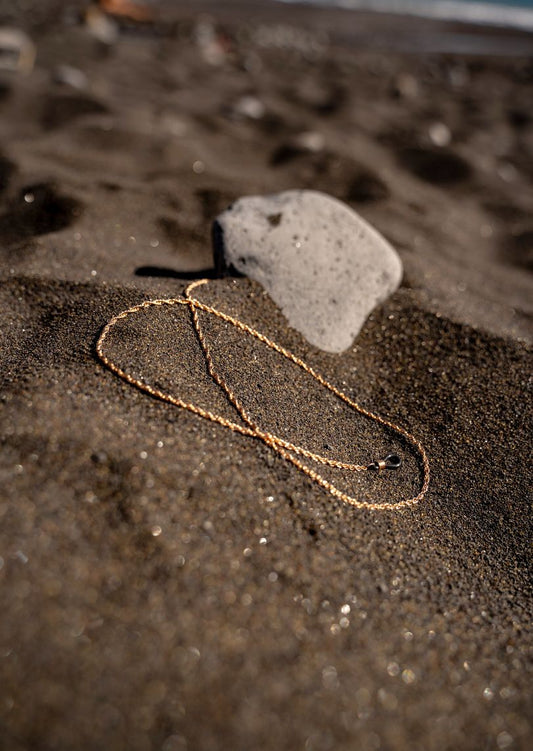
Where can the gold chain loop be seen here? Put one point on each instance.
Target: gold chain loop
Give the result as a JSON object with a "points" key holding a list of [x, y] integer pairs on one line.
{"points": [[286, 449]]}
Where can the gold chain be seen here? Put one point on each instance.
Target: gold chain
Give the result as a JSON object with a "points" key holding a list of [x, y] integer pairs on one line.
{"points": [[286, 449]]}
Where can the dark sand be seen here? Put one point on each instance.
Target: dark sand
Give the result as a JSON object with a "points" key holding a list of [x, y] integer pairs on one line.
{"points": [[265, 615]]}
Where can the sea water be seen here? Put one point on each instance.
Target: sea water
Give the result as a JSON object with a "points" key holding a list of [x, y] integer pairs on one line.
{"points": [[514, 13]]}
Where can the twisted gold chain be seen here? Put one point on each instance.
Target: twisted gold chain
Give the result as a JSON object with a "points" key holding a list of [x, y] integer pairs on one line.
{"points": [[289, 451]]}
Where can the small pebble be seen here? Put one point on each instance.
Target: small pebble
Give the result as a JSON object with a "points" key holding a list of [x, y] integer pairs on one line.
{"points": [[17, 51], [250, 107], [101, 26], [439, 134], [67, 75]]}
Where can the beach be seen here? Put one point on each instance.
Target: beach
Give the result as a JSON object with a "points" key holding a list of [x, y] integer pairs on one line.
{"points": [[167, 583]]}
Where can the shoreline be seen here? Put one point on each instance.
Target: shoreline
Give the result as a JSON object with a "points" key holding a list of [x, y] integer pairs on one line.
{"points": [[350, 28], [371, 30], [519, 17]]}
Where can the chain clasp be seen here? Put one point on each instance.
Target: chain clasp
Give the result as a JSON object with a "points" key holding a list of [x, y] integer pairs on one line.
{"points": [[392, 461]]}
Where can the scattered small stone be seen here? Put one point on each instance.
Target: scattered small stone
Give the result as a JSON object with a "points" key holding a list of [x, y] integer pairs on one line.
{"points": [[310, 140], [101, 26], [439, 134], [17, 51], [322, 263], [67, 75], [249, 107]]}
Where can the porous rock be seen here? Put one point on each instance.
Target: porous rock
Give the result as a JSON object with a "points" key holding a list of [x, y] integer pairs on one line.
{"points": [[324, 265]]}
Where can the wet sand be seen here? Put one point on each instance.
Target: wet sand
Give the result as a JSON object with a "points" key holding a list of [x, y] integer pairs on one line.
{"points": [[168, 584]]}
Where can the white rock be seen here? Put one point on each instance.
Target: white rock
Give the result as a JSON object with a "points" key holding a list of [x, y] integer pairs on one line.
{"points": [[324, 265]]}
